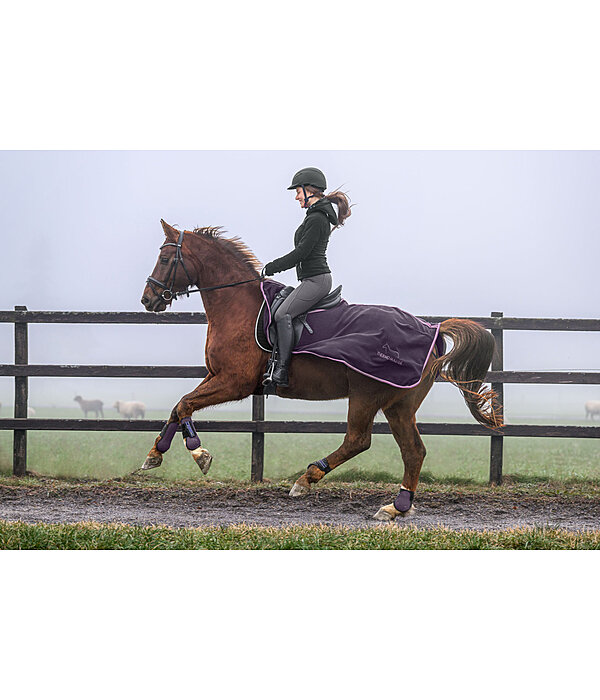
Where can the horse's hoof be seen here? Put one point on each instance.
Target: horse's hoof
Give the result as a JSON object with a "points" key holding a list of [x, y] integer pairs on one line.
{"points": [[387, 513], [299, 490], [203, 459], [152, 461]]}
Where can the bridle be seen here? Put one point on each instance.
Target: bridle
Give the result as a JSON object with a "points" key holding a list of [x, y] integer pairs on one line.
{"points": [[168, 293]]}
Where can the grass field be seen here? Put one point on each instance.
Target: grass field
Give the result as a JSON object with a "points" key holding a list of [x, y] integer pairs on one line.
{"points": [[449, 458], [125, 537]]}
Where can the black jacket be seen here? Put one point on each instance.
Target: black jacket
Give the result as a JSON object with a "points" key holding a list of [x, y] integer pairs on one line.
{"points": [[310, 241]]}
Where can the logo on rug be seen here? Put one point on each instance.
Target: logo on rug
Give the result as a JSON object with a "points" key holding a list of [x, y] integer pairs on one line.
{"points": [[389, 354]]}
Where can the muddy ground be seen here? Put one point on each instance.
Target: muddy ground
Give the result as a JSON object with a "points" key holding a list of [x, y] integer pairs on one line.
{"points": [[271, 506]]}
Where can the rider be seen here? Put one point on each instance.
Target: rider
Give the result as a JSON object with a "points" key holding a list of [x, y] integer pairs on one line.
{"points": [[310, 245]]}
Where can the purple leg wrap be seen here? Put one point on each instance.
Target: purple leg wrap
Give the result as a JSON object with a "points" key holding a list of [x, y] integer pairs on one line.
{"points": [[323, 465], [192, 441], [404, 500], [166, 436]]}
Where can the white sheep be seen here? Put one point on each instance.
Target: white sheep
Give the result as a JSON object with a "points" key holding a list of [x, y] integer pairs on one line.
{"points": [[592, 408], [131, 409]]}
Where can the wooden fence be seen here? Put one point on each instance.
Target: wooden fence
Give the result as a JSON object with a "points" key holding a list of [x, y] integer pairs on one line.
{"points": [[21, 370]]}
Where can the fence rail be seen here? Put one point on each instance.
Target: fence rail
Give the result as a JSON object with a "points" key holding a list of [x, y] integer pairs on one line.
{"points": [[21, 370], [186, 371]]}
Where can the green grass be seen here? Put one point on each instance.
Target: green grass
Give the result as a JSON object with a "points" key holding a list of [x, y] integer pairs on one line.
{"points": [[450, 459], [93, 536]]}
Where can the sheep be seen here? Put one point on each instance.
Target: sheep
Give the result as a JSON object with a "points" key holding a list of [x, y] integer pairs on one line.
{"points": [[94, 405], [592, 408], [131, 409], [30, 412]]}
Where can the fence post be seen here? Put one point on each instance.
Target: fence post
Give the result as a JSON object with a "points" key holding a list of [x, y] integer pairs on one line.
{"points": [[258, 439], [21, 396], [497, 441]]}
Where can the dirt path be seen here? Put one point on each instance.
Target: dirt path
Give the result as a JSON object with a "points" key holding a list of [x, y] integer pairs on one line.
{"points": [[189, 507]]}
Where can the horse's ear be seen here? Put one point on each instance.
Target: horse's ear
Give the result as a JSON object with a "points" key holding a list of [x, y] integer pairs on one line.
{"points": [[170, 232]]}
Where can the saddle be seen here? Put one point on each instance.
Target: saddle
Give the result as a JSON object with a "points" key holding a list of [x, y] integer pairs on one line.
{"points": [[299, 323]]}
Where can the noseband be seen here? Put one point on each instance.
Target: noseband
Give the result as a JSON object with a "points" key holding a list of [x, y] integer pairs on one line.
{"points": [[168, 294]]}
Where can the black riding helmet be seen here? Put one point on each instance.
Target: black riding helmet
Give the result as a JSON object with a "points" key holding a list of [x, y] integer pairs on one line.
{"points": [[309, 176]]}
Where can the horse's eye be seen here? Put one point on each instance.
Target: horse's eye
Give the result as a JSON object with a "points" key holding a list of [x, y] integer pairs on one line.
{"points": [[164, 261]]}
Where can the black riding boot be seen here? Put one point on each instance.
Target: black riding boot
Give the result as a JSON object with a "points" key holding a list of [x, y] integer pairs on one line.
{"points": [[285, 343]]}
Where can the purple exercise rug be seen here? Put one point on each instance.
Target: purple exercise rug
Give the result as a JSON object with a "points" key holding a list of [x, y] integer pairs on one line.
{"points": [[381, 342]]}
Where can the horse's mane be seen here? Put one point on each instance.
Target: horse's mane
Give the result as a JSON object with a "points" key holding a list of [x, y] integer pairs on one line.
{"points": [[234, 245]]}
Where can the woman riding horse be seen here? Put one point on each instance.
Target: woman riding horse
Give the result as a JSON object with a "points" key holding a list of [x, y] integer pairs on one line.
{"points": [[310, 246], [225, 273]]}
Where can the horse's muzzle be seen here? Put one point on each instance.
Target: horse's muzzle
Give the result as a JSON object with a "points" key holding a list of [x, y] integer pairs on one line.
{"points": [[155, 304]]}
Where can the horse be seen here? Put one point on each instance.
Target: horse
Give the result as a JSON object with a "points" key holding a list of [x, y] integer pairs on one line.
{"points": [[226, 273]]}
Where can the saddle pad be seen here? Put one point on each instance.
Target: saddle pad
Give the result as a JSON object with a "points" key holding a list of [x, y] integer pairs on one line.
{"points": [[381, 342]]}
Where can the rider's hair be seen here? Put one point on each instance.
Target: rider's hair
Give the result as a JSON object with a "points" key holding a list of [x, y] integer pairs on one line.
{"points": [[339, 198]]}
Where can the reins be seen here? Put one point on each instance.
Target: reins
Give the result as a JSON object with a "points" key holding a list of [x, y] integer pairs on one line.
{"points": [[168, 294], [218, 286]]}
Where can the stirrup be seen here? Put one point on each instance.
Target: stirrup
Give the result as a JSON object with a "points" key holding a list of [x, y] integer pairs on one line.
{"points": [[268, 375], [269, 386]]}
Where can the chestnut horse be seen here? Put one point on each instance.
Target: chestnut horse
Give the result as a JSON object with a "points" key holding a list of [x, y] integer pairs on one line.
{"points": [[226, 274]]}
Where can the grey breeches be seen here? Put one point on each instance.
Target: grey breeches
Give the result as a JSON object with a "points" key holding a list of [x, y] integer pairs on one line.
{"points": [[306, 294]]}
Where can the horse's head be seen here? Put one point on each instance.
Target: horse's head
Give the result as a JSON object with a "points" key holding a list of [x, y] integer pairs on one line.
{"points": [[171, 275]]}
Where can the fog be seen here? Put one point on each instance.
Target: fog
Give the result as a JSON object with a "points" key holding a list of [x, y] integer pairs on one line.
{"points": [[449, 233]]}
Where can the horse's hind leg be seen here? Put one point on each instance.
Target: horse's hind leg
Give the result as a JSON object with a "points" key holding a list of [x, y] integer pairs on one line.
{"points": [[404, 429], [362, 409]]}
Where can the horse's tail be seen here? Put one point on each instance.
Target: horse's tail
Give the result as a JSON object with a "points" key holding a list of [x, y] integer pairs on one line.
{"points": [[466, 366]]}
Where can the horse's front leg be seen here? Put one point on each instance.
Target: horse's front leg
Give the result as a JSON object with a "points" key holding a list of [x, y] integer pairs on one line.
{"points": [[224, 387], [215, 389], [162, 443]]}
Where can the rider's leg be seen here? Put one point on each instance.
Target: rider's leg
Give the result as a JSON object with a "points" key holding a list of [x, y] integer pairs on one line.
{"points": [[285, 343], [308, 293]]}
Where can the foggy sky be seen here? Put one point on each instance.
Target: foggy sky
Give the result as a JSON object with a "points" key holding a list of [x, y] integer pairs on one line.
{"points": [[451, 233]]}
